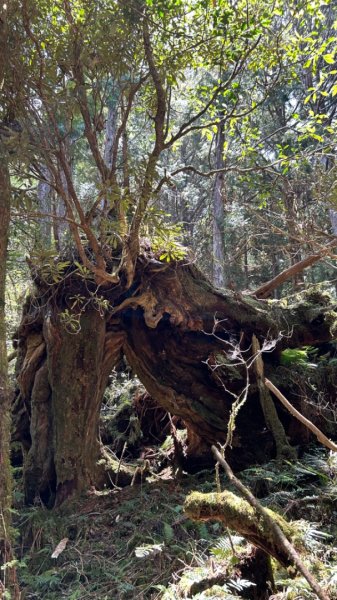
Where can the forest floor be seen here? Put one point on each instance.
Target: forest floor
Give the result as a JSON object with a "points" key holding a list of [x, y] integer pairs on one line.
{"points": [[137, 543]]}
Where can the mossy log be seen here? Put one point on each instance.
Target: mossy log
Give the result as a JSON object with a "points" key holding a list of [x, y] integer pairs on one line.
{"points": [[237, 514]]}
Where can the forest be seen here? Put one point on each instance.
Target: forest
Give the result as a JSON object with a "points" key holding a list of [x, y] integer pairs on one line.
{"points": [[168, 299]]}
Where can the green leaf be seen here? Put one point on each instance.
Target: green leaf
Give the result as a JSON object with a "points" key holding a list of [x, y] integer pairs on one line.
{"points": [[329, 58]]}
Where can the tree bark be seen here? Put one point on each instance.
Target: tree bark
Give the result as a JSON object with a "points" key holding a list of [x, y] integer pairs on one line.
{"points": [[219, 213], [294, 230], [283, 449], [61, 382], [44, 197], [8, 575], [179, 335], [110, 134], [8, 580]]}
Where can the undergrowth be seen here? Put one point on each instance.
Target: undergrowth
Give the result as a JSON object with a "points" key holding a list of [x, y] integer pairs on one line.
{"points": [[136, 543]]}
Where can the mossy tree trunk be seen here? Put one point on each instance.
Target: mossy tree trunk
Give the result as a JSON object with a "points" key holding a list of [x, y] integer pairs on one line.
{"points": [[178, 334]]}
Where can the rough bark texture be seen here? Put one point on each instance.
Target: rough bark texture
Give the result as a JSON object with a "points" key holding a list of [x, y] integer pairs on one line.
{"points": [[61, 383], [8, 582], [177, 333], [219, 213]]}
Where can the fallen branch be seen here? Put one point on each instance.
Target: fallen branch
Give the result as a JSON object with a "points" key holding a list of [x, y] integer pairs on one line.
{"points": [[318, 433], [267, 288], [283, 448], [275, 529]]}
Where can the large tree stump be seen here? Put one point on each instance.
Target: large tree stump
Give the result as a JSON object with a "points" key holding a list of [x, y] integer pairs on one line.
{"points": [[179, 335]]}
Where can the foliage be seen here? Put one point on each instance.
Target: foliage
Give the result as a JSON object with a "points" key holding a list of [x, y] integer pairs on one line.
{"points": [[166, 77], [263, 71], [135, 543]]}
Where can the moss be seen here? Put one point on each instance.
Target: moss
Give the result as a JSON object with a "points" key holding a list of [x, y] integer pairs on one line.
{"points": [[317, 296], [168, 444], [226, 505], [122, 426], [237, 514], [331, 320], [122, 474]]}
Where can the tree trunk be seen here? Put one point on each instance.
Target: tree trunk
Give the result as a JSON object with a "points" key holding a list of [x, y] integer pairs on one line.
{"points": [[110, 134], [180, 335], [8, 574], [294, 231], [77, 385], [219, 214], [5, 469], [8, 581], [333, 220], [62, 379], [44, 198]]}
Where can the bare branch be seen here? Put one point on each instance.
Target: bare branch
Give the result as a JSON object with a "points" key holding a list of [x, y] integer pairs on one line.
{"points": [[89, 129], [267, 288], [318, 433], [121, 129], [159, 118]]}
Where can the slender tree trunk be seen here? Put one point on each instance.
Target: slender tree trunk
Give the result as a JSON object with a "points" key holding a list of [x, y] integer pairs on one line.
{"points": [[7, 575], [110, 134], [8, 581], [291, 204], [44, 198], [275, 271], [219, 214], [333, 220]]}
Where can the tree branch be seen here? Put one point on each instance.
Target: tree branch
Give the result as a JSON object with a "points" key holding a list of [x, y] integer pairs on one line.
{"points": [[267, 288], [318, 433], [277, 533], [159, 121]]}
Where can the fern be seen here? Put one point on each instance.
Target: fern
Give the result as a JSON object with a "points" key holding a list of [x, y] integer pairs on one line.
{"points": [[240, 584], [148, 550], [203, 531], [168, 532], [224, 546]]}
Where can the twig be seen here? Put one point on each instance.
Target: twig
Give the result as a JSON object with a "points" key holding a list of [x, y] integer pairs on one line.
{"points": [[120, 463]]}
